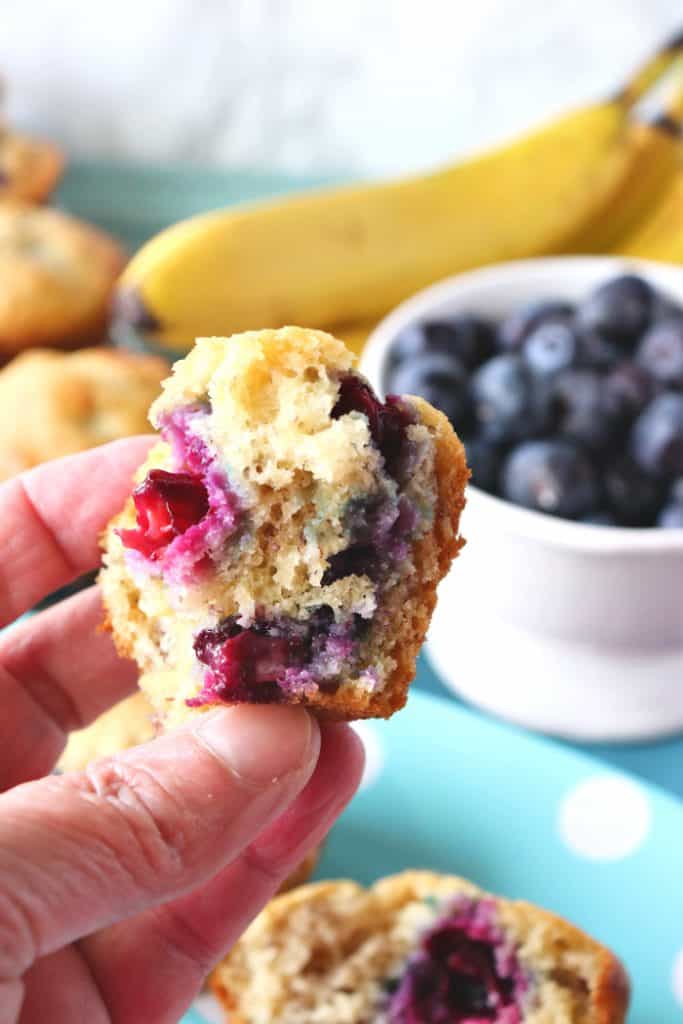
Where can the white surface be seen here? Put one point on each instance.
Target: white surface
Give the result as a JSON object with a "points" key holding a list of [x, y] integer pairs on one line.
{"points": [[605, 818], [570, 629], [677, 977], [209, 1008], [312, 85], [374, 754]]}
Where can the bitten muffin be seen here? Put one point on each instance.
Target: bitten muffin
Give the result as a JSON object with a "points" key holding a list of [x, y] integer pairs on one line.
{"points": [[29, 168], [416, 948], [55, 403], [287, 534], [56, 278]]}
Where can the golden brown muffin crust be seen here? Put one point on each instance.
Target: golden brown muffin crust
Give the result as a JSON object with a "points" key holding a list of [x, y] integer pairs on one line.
{"points": [[56, 403], [57, 276], [29, 168]]}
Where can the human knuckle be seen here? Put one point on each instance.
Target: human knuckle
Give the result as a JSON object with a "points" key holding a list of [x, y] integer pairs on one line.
{"points": [[19, 940], [152, 831]]}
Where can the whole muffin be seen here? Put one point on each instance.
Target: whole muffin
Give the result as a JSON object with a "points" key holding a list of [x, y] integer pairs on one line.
{"points": [[29, 168], [55, 403], [416, 948], [56, 278], [287, 534]]}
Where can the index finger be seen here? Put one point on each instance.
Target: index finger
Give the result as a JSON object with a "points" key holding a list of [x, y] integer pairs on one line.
{"points": [[51, 518]]}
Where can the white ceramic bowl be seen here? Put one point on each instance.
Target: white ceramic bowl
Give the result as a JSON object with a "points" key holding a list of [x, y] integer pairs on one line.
{"points": [[571, 629]]}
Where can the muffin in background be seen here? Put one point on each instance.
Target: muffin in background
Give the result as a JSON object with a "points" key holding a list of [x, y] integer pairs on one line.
{"points": [[416, 948], [125, 725], [29, 168], [57, 275], [56, 403]]}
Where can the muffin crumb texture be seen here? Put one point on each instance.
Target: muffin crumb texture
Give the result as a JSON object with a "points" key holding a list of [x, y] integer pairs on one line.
{"points": [[416, 948], [287, 533]]}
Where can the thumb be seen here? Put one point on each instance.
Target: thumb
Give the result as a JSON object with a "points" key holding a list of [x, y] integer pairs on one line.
{"points": [[78, 852]]}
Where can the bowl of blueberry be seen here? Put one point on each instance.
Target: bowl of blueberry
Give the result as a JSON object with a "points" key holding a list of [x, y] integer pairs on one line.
{"points": [[564, 378]]}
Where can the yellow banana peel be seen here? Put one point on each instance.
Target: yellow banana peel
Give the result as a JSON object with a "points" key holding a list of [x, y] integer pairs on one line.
{"points": [[347, 256], [661, 236]]}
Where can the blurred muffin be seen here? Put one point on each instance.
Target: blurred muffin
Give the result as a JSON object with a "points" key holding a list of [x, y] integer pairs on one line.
{"points": [[56, 278], [56, 403], [29, 168], [416, 948], [125, 725]]}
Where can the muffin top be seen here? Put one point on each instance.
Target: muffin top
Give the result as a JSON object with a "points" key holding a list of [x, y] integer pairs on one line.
{"points": [[57, 276], [55, 403], [29, 168]]}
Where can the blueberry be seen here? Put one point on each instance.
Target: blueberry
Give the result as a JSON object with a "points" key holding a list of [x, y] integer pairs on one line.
{"points": [[633, 496], [657, 436], [439, 378], [470, 338], [506, 403], [484, 460], [599, 519], [516, 328], [671, 516], [555, 477], [628, 389], [676, 490], [580, 409], [552, 346], [620, 309], [597, 352], [661, 352]]}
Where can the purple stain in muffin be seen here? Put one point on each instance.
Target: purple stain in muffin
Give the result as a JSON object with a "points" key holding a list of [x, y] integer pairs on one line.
{"points": [[380, 530], [464, 972], [388, 421], [268, 660], [184, 518]]}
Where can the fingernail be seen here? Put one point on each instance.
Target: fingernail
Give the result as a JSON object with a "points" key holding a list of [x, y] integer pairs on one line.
{"points": [[261, 743]]}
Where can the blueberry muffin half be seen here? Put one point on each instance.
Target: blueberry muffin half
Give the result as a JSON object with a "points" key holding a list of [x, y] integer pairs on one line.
{"points": [[55, 403], [29, 168], [416, 948], [57, 277], [287, 534]]}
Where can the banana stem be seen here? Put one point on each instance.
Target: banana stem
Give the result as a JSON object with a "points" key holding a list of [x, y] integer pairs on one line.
{"points": [[648, 73]]}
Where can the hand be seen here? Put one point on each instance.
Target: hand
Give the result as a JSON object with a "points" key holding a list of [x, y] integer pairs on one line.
{"points": [[121, 887]]}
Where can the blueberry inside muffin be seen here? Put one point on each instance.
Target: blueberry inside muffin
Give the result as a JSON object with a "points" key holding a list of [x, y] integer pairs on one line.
{"points": [[416, 948], [286, 536]]}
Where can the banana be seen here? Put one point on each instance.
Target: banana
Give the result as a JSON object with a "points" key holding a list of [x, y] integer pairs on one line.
{"points": [[354, 336], [348, 255], [661, 236]]}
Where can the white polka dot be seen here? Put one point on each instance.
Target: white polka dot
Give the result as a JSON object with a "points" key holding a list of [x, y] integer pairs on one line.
{"points": [[677, 978], [374, 755], [209, 1010], [605, 817]]}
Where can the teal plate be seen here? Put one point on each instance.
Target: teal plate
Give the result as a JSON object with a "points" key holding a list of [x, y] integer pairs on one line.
{"points": [[449, 790]]}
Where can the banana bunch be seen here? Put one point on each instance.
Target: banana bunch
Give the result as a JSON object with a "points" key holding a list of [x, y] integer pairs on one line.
{"points": [[605, 177]]}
